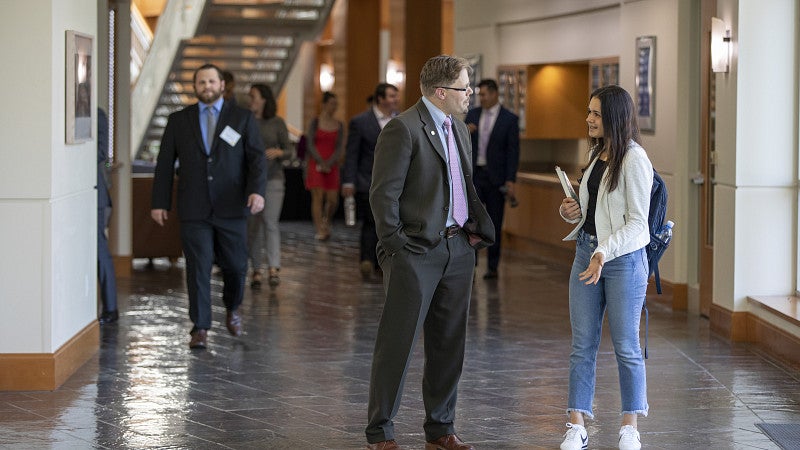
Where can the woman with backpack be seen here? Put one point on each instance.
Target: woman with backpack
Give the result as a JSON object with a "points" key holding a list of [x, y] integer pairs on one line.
{"points": [[610, 270]]}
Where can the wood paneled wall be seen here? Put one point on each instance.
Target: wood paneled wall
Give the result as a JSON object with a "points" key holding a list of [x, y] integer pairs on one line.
{"points": [[363, 54], [423, 40]]}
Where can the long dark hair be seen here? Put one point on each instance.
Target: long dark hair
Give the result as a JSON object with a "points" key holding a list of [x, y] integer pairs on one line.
{"points": [[270, 106], [327, 95], [619, 128]]}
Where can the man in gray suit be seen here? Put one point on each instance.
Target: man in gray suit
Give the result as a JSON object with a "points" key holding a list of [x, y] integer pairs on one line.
{"points": [[429, 221]]}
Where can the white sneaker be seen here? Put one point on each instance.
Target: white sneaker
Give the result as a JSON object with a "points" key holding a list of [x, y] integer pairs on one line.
{"points": [[629, 438], [575, 438]]}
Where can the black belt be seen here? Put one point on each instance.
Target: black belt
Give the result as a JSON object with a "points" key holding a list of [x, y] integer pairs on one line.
{"points": [[451, 231]]}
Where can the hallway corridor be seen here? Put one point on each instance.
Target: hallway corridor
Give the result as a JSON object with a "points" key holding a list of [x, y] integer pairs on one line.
{"points": [[298, 377]]}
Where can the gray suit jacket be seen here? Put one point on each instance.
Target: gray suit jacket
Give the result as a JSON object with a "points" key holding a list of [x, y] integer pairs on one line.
{"points": [[410, 190]]}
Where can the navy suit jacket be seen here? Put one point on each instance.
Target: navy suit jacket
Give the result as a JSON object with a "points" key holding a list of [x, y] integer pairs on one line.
{"points": [[502, 151], [362, 136], [103, 197], [218, 183]]}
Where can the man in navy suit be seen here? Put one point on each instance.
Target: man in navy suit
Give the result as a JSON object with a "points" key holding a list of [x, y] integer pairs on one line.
{"points": [[357, 174], [495, 142], [221, 177]]}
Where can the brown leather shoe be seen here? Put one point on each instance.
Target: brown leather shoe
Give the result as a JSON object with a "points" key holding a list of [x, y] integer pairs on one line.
{"points": [[448, 442], [274, 278], [199, 337], [234, 323], [384, 445], [255, 280]]}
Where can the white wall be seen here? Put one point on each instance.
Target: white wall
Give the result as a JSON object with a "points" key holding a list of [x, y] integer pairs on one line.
{"points": [[295, 85], [47, 196], [671, 145], [757, 154], [531, 32]]}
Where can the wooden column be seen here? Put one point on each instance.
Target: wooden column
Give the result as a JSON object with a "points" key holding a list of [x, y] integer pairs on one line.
{"points": [[121, 228], [363, 54], [423, 40]]}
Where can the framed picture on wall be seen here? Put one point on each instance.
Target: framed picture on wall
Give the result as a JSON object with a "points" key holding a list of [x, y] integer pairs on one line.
{"points": [[79, 112], [645, 82]]}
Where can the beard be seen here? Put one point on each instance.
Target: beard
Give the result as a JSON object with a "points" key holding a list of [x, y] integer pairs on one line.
{"points": [[209, 96]]}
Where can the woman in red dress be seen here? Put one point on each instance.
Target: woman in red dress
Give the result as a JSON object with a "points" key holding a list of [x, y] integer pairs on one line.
{"points": [[325, 148]]}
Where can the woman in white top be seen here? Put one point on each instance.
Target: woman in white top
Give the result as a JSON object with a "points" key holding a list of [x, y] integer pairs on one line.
{"points": [[609, 274]]}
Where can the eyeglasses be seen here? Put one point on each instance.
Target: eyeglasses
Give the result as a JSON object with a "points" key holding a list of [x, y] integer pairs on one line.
{"points": [[454, 88]]}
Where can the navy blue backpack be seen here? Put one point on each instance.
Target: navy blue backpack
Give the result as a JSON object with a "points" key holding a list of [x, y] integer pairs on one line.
{"points": [[655, 220], [655, 249]]}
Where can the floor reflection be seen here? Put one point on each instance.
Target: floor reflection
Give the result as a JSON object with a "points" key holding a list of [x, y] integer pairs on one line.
{"points": [[298, 377]]}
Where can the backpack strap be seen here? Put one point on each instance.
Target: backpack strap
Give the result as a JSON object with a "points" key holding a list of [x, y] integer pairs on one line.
{"points": [[657, 278], [653, 270], [646, 323]]}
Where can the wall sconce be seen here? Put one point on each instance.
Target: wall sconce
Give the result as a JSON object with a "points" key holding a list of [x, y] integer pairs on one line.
{"points": [[394, 73], [326, 78], [720, 46]]}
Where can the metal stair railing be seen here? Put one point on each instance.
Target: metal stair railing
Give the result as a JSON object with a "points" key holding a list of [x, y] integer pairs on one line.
{"points": [[257, 40], [178, 22]]}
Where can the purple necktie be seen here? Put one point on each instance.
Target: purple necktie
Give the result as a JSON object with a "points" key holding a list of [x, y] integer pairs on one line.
{"points": [[459, 199], [211, 127]]}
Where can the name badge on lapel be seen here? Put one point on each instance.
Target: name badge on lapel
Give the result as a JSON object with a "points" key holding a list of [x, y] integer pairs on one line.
{"points": [[230, 136]]}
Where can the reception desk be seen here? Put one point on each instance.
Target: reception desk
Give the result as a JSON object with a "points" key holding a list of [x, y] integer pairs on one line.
{"points": [[149, 239], [153, 241], [535, 226]]}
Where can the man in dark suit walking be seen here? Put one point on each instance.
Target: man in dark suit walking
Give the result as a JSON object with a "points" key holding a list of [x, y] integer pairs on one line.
{"points": [[495, 156], [357, 175], [105, 262], [221, 177], [429, 221]]}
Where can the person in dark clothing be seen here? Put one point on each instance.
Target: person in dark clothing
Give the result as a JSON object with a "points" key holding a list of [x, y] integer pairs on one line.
{"points": [[105, 264]]}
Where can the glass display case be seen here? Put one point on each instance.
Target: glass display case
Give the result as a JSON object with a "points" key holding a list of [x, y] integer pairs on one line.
{"points": [[603, 72], [512, 82]]}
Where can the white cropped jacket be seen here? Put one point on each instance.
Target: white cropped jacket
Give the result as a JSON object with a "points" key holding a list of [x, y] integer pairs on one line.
{"points": [[620, 216]]}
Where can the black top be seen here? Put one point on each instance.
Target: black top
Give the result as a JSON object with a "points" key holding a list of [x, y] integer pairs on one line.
{"points": [[593, 185]]}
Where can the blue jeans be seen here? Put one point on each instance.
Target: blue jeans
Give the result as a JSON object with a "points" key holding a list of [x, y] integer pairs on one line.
{"points": [[621, 292]]}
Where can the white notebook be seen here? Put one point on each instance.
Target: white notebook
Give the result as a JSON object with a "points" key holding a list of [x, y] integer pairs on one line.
{"points": [[566, 184]]}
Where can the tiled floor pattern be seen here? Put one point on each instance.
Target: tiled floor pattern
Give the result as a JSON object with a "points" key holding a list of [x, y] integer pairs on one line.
{"points": [[298, 378]]}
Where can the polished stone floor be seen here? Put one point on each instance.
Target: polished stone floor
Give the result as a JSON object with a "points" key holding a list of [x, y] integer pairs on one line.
{"points": [[298, 377]]}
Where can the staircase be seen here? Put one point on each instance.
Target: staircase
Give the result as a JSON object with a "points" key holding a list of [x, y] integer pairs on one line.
{"points": [[257, 40]]}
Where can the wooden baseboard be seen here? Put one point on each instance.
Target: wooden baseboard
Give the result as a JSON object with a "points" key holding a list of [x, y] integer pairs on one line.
{"points": [[731, 325], [48, 371], [772, 340], [123, 265], [675, 295], [747, 327]]}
